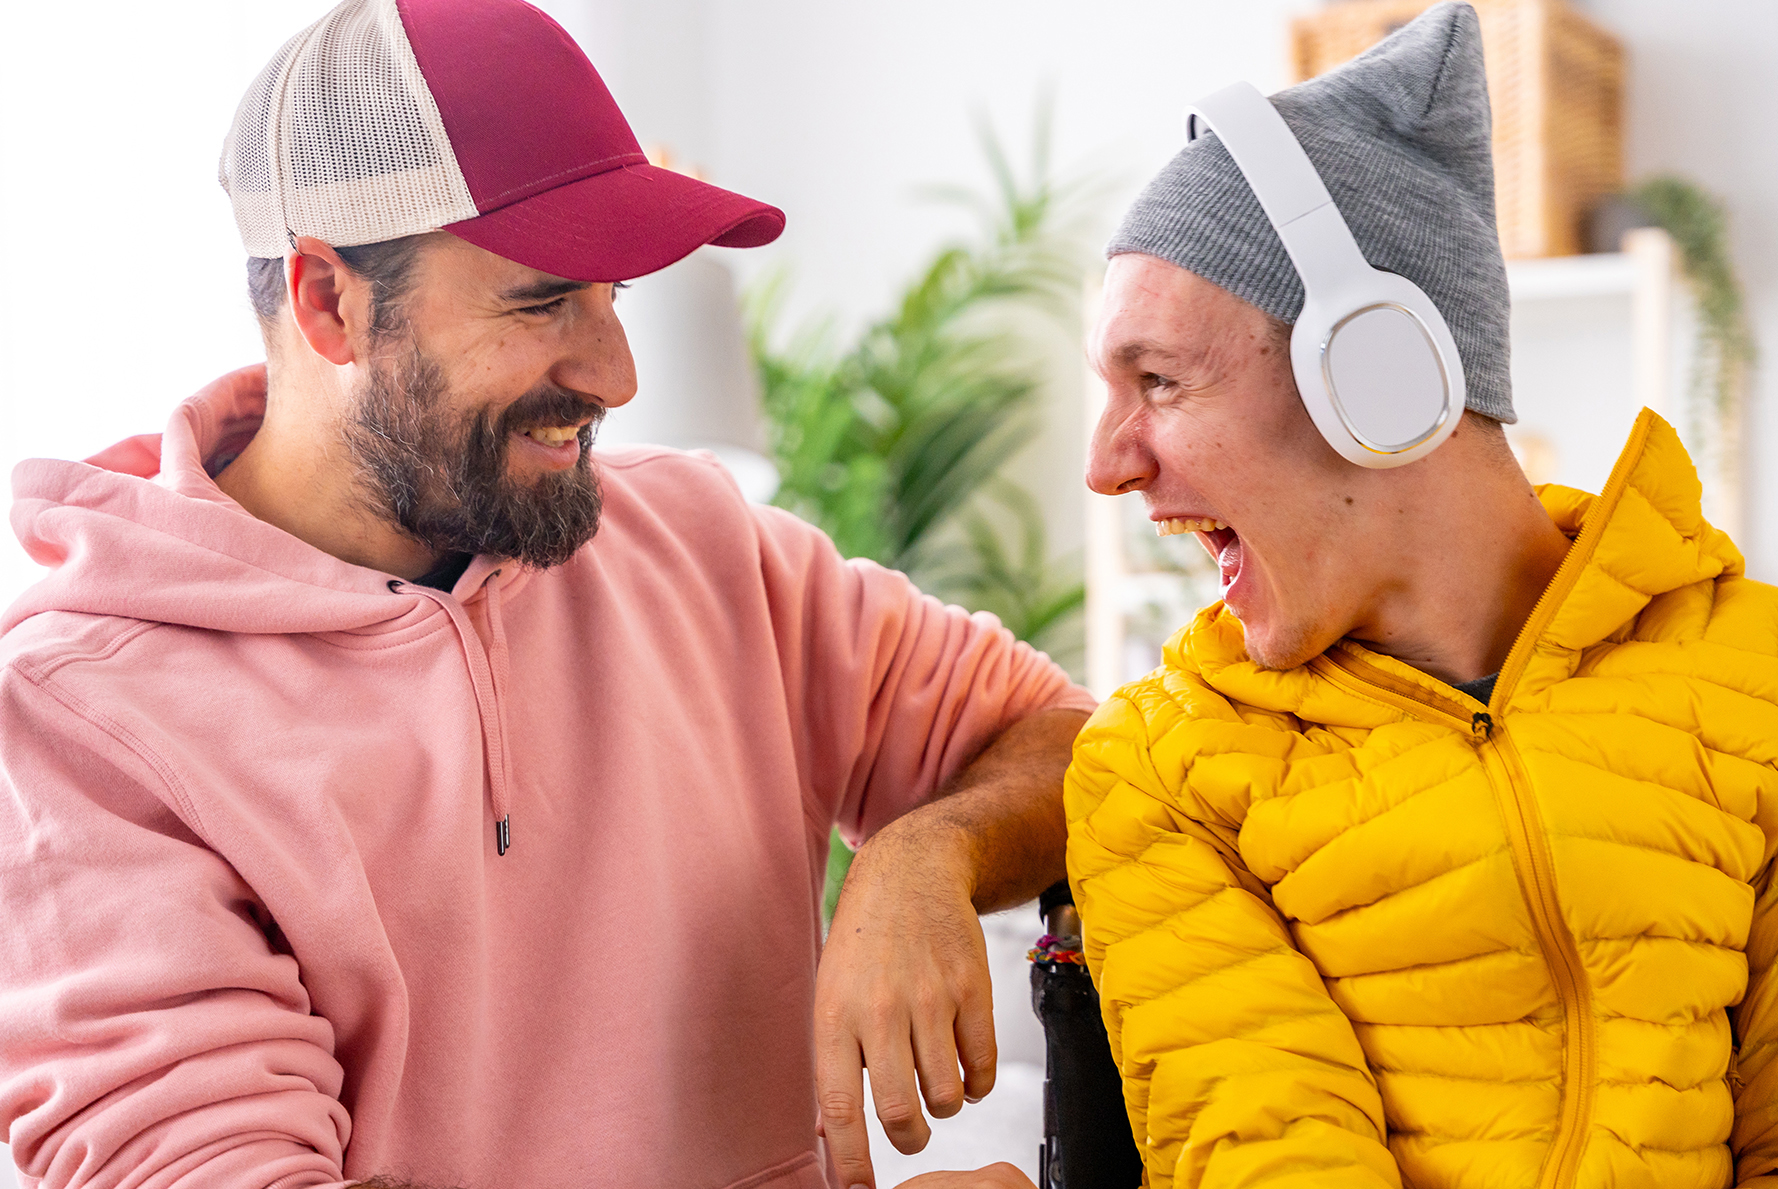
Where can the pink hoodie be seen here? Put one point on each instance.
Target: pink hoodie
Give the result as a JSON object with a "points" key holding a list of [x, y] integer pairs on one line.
{"points": [[256, 931]]}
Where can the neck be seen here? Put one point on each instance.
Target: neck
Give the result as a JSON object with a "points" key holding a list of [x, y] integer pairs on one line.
{"points": [[298, 475], [1466, 575]]}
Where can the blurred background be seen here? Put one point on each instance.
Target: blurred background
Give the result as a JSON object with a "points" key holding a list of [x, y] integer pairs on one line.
{"points": [[904, 366]]}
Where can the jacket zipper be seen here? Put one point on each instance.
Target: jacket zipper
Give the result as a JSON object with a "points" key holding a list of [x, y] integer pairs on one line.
{"points": [[1531, 855], [1531, 859], [1505, 770]]}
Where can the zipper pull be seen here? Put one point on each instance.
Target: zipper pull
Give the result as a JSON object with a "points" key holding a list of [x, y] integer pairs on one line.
{"points": [[503, 834], [1482, 725]]}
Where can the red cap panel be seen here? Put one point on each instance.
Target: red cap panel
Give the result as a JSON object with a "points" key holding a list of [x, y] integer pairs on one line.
{"points": [[524, 109]]}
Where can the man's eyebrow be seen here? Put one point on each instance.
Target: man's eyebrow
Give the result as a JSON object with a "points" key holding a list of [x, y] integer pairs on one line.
{"points": [[1139, 350], [542, 291]]}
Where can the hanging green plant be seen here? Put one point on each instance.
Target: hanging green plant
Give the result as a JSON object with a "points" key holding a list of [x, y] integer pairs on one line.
{"points": [[1699, 226]]}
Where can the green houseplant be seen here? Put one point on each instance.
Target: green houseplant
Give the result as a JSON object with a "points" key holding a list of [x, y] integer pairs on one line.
{"points": [[1699, 227], [895, 443]]}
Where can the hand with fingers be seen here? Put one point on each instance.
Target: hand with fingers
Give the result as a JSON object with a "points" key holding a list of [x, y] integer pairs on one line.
{"points": [[995, 1176], [903, 990]]}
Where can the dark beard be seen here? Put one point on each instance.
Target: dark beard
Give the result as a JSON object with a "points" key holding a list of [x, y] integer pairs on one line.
{"points": [[445, 482]]}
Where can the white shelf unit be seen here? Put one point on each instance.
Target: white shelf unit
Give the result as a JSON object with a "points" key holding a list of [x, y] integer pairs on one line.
{"points": [[1595, 338]]}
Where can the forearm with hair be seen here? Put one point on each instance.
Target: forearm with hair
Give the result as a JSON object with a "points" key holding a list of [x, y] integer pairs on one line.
{"points": [[1003, 812]]}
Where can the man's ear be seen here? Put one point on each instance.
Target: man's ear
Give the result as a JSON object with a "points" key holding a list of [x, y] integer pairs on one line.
{"points": [[328, 302]]}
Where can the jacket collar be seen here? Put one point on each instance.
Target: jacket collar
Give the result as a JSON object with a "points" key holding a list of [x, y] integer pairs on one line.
{"points": [[1643, 536]]}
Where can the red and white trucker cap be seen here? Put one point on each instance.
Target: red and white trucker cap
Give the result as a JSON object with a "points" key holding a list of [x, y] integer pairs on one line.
{"points": [[478, 117]]}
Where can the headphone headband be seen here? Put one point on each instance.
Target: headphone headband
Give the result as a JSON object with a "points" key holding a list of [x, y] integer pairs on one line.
{"points": [[1284, 180]]}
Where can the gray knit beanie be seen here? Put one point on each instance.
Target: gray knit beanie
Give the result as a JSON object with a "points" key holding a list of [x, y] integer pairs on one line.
{"points": [[1401, 136]]}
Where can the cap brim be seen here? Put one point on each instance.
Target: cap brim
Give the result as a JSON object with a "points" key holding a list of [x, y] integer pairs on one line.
{"points": [[622, 223]]}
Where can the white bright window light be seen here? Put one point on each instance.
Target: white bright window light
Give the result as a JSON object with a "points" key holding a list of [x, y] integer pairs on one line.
{"points": [[101, 334]]}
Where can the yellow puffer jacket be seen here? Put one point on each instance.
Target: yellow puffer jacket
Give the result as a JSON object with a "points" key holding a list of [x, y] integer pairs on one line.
{"points": [[1352, 927]]}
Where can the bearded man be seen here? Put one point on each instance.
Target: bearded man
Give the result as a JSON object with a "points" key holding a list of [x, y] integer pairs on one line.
{"points": [[396, 793], [1440, 851]]}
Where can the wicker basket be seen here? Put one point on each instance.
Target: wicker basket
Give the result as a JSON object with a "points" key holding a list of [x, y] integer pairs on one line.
{"points": [[1556, 84]]}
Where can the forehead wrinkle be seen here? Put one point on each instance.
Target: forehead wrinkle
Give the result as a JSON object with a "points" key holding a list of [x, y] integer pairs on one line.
{"points": [[1137, 350], [1150, 354]]}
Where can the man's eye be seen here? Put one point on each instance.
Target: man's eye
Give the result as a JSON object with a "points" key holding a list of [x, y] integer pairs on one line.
{"points": [[1150, 382], [548, 307]]}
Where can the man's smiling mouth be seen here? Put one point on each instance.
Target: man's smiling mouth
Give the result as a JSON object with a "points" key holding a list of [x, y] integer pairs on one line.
{"points": [[553, 435]]}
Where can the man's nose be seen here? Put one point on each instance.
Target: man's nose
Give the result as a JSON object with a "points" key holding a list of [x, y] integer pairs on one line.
{"points": [[597, 359], [1119, 459]]}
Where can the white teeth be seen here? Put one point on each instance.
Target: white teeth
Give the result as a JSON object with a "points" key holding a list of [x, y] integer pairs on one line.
{"points": [[1186, 524], [553, 435]]}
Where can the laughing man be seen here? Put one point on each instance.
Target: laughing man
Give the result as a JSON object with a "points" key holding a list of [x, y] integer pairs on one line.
{"points": [[1440, 850]]}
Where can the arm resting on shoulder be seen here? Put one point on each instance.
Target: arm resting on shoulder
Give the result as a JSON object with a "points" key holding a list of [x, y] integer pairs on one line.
{"points": [[898, 697], [999, 824]]}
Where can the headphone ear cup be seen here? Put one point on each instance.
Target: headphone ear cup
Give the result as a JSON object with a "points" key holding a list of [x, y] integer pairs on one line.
{"points": [[1385, 377], [1382, 384]]}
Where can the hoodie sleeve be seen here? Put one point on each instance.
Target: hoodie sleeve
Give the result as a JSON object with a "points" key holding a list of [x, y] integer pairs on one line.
{"points": [[895, 690], [1238, 1068], [152, 1033]]}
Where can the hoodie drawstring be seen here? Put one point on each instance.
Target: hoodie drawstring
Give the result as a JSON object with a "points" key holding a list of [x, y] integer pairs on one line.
{"points": [[498, 674], [488, 704]]}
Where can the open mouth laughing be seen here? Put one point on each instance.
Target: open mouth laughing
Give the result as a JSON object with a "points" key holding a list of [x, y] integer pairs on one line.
{"points": [[1219, 540]]}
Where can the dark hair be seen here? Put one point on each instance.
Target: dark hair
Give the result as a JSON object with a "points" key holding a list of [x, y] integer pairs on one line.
{"points": [[388, 267]]}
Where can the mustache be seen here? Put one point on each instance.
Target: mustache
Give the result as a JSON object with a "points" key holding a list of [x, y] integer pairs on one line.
{"points": [[549, 406]]}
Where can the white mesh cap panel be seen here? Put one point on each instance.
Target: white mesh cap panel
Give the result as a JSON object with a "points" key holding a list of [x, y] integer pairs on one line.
{"points": [[339, 138]]}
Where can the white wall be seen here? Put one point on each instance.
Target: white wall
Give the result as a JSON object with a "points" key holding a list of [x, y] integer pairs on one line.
{"points": [[840, 113], [124, 288]]}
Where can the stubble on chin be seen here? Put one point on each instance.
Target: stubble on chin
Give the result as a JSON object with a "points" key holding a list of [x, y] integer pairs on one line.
{"points": [[1289, 646]]}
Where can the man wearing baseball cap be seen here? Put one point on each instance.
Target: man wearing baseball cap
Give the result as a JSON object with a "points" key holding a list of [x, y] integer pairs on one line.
{"points": [[391, 791]]}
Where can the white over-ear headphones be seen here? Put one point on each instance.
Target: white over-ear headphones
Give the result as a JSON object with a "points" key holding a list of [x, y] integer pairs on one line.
{"points": [[1375, 364]]}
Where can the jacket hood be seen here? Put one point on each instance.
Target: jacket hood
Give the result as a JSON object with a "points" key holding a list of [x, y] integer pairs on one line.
{"points": [[142, 531], [1643, 536]]}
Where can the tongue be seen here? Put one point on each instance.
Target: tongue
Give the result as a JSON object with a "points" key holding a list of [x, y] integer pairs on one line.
{"points": [[1229, 560]]}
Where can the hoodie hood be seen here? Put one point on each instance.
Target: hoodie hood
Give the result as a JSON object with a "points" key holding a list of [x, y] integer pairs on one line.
{"points": [[142, 534], [141, 530]]}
